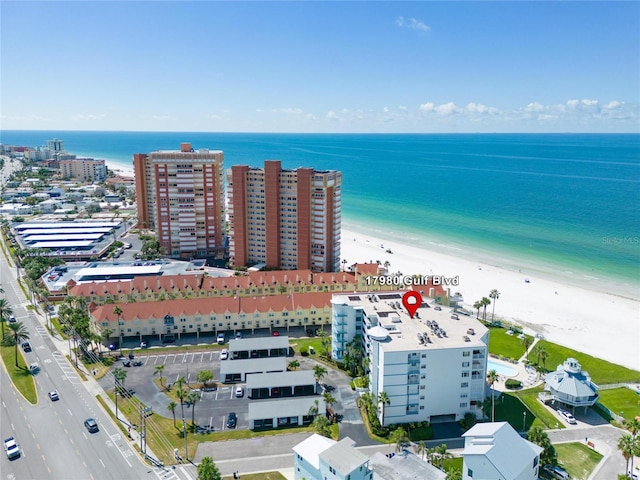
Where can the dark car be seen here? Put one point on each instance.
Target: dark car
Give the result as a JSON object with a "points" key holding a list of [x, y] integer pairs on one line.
{"points": [[232, 420], [91, 425], [26, 346], [126, 363], [137, 363], [131, 356]]}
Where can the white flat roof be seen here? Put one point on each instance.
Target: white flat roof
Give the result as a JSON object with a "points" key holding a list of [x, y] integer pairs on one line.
{"points": [[69, 236], [60, 231], [279, 379], [124, 270], [26, 225], [61, 244], [289, 407]]}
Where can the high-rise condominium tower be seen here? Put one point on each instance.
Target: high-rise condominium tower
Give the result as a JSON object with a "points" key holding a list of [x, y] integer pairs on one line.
{"points": [[286, 219], [180, 195]]}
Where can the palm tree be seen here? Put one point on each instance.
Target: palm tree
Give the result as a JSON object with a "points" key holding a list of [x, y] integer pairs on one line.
{"points": [[627, 446], [442, 455], [322, 426], [117, 311], [18, 333], [477, 305], [5, 312], [526, 342], [485, 302], [182, 393], [421, 448], [294, 365], [159, 369], [492, 376], [400, 437], [538, 436], [319, 371], [543, 357], [383, 399], [494, 294], [193, 397], [119, 377], [172, 408]]}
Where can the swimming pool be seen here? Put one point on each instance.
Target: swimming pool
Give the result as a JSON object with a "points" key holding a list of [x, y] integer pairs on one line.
{"points": [[502, 369]]}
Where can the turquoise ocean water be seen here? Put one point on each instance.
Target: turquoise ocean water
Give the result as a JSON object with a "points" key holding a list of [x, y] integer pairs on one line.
{"points": [[561, 204]]}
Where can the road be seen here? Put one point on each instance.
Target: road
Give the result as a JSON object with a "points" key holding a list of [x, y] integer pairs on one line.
{"points": [[53, 440]]}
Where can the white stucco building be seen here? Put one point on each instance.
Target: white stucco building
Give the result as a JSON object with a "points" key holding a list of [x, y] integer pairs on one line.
{"points": [[495, 451], [432, 367], [319, 458]]}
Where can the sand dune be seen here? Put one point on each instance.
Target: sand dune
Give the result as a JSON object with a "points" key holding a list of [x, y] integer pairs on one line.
{"points": [[601, 324]]}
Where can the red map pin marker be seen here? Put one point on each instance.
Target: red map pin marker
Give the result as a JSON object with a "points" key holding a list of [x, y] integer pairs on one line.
{"points": [[412, 301]]}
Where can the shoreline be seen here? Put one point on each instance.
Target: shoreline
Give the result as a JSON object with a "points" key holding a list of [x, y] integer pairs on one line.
{"points": [[119, 169], [600, 323]]}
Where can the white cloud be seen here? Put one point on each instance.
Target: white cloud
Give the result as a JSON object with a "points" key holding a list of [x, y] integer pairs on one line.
{"points": [[161, 117], [589, 103], [90, 116], [259, 110], [544, 117], [288, 111], [385, 109], [412, 23], [446, 108], [534, 107], [612, 105], [402, 107], [427, 107]]}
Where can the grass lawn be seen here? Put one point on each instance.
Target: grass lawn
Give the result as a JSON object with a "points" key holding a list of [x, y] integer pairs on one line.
{"points": [[20, 375], [530, 398], [601, 371], [504, 345], [622, 401], [577, 459], [163, 436], [510, 409], [453, 464], [259, 476]]}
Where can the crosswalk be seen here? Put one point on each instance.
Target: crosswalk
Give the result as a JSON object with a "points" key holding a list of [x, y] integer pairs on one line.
{"points": [[68, 371]]}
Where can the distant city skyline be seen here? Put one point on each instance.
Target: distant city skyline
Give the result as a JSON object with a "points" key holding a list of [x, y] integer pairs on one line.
{"points": [[327, 67]]}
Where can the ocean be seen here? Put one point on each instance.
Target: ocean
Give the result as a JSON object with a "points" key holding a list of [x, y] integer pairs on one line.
{"points": [[565, 205]]}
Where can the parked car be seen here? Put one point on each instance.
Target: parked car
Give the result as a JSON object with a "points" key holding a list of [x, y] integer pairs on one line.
{"points": [[91, 425], [11, 447], [220, 338], [232, 420], [53, 395], [557, 472], [126, 363], [137, 363], [239, 392], [12, 319], [238, 335], [567, 416], [26, 346], [224, 354], [276, 333], [438, 308]]}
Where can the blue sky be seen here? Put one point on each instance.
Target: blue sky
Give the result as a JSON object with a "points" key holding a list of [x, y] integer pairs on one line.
{"points": [[321, 66]]}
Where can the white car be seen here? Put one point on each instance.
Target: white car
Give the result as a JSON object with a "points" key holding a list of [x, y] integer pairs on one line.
{"points": [[11, 447], [220, 338], [239, 392], [224, 354], [567, 417], [53, 395]]}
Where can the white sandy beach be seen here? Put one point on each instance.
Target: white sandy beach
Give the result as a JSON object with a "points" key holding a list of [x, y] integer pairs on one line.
{"points": [[600, 324], [119, 169]]}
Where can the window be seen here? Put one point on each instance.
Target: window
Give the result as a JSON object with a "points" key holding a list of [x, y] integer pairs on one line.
{"points": [[465, 374], [463, 405], [464, 384], [466, 354], [465, 364], [469, 473]]}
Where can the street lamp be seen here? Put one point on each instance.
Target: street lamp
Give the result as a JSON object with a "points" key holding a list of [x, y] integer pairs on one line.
{"points": [[524, 421], [185, 361]]}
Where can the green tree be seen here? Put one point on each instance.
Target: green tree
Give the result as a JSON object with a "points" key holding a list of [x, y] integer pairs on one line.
{"points": [[328, 398], [628, 448], [205, 377], [322, 426], [401, 438], [17, 333], [172, 408], [182, 393], [492, 376], [526, 342], [477, 305], [485, 303], [207, 470], [193, 398], [119, 377], [158, 371], [421, 448], [383, 400], [5, 312], [294, 364], [442, 455], [318, 372], [494, 295], [538, 436], [117, 311]]}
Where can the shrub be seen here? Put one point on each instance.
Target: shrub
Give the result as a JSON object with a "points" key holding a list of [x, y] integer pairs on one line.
{"points": [[512, 383]]}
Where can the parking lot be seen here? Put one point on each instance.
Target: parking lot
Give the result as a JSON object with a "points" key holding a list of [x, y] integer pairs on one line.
{"points": [[216, 403]]}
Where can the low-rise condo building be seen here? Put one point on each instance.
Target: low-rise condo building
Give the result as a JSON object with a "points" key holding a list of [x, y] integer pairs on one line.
{"points": [[570, 385], [432, 367]]}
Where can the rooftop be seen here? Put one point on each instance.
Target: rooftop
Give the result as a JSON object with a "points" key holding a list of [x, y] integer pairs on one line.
{"points": [[437, 328]]}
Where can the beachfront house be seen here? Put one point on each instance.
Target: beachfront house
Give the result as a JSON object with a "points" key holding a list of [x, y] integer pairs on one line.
{"points": [[569, 385], [495, 450]]}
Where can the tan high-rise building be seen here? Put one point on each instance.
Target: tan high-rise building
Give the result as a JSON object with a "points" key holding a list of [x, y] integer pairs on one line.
{"points": [[180, 195], [285, 219]]}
